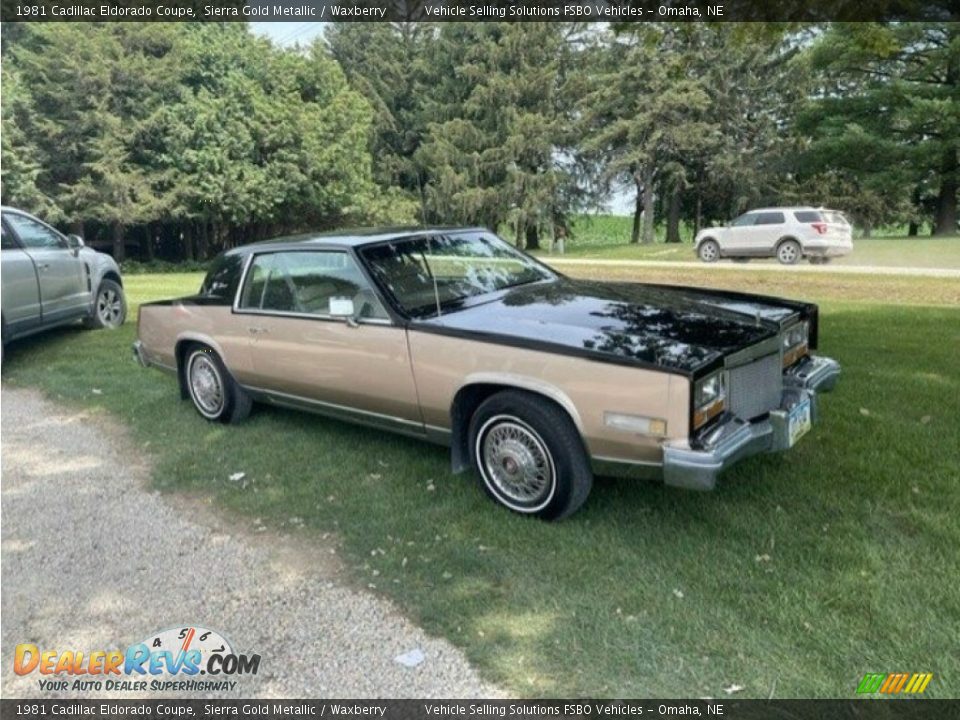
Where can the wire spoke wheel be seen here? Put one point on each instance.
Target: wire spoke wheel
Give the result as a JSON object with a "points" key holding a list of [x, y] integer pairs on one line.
{"points": [[206, 385], [517, 462]]}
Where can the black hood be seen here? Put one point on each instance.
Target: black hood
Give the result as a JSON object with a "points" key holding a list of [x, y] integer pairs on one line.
{"points": [[677, 329]]}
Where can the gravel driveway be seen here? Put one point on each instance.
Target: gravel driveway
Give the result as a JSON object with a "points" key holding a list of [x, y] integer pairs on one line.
{"points": [[92, 560]]}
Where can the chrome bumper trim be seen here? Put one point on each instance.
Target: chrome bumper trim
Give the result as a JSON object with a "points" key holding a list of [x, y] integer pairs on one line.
{"points": [[626, 469], [138, 354], [698, 468], [816, 373]]}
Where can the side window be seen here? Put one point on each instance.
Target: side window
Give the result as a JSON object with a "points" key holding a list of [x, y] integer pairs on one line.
{"points": [[307, 282], [772, 218], [8, 242], [268, 286], [34, 234], [807, 216], [744, 220]]}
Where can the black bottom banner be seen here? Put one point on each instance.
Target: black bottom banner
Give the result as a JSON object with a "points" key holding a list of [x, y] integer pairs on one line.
{"points": [[485, 709]]}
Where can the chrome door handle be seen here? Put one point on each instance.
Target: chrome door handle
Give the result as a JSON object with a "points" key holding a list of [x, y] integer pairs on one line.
{"points": [[258, 330], [43, 266]]}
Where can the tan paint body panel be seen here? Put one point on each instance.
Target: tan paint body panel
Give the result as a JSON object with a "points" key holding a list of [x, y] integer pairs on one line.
{"points": [[365, 367], [585, 388], [161, 327], [414, 376]]}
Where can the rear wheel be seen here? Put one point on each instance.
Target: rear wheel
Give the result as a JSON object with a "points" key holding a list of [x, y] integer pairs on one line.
{"points": [[709, 251], [109, 307], [215, 394], [529, 456], [789, 252]]}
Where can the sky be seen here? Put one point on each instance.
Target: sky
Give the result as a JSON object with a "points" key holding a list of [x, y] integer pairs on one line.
{"points": [[292, 33], [288, 33]]}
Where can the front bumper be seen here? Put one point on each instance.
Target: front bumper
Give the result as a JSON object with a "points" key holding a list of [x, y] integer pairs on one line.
{"points": [[697, 467], [816, 373]]}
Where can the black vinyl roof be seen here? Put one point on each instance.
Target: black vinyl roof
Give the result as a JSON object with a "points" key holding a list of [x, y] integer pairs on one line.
{"points": [[349, 238]]}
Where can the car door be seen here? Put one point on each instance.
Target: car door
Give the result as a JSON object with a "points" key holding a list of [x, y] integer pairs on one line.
{"points": [[63, 276], [767, 230], [738, 238], [21, 290], [302, 353]]}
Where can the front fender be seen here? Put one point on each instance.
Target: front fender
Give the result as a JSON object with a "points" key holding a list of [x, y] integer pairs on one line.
{"points": [[530, 384], [101, 265], [459, 453]]}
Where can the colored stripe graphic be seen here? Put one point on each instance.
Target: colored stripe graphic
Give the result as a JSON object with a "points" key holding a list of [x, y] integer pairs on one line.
{"points": [[926, 681], [894, 683], [871, 683]]}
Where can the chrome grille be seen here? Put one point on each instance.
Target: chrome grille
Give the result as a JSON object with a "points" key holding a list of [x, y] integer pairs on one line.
{"points": [[755, 387]]}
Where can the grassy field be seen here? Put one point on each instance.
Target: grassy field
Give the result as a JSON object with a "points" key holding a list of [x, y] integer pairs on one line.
{"points": [[819, 287], [798, 575], [608, 236]]}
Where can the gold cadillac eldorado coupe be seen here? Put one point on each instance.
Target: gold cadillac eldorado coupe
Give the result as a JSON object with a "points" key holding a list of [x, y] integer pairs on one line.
{"points": [[534, 379]]}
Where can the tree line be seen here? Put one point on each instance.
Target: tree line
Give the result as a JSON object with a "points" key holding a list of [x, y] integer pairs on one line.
{"points": [[183, 139]]}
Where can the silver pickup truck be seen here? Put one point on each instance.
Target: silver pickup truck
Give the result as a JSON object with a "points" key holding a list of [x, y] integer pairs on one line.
{"points": [[49, 279]]}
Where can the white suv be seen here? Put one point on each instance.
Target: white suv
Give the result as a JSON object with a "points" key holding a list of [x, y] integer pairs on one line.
{"points": [[787, 233]]}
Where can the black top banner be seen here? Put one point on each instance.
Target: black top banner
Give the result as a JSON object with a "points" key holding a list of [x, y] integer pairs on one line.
{"points": [[486, 709], [479, 10]]}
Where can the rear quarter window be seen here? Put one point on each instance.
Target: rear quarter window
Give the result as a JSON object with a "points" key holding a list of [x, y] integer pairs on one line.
{"points": [[808, 216], [224, 277]]}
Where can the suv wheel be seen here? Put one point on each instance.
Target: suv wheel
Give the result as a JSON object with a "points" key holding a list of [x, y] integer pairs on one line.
{"points": [[109, 307], [529, 456], [709, 251], [789, 252]]}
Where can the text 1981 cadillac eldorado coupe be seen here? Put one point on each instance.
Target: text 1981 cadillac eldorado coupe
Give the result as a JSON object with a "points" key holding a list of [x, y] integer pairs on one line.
{"points": [[534, 379]]}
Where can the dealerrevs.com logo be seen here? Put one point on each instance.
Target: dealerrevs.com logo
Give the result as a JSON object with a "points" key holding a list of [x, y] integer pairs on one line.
{"points": [[189, 659]]}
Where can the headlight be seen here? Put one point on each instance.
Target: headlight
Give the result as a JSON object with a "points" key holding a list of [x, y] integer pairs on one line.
{"points": [[709, 395], [796, 343]]}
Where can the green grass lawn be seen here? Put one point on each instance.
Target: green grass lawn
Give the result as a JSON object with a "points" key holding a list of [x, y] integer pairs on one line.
{"points": [[608, 237], [798, 575]]}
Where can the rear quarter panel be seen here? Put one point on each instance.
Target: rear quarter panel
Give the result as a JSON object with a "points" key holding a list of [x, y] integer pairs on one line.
{"points": [[163, 325]]}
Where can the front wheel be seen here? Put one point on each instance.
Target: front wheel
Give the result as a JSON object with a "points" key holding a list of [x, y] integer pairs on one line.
{"points": [[529, 456], [215, 395], [109, 307], [709, 251]]}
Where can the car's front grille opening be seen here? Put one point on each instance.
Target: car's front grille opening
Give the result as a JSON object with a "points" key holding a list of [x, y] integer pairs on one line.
{"points": [[755, 388]]}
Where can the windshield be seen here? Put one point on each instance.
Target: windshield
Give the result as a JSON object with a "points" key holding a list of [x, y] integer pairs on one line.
{"points": [[427, 275]]}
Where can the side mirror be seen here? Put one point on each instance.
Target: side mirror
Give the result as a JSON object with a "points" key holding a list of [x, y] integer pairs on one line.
{"points": [[342, 307], [75, 242]]}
